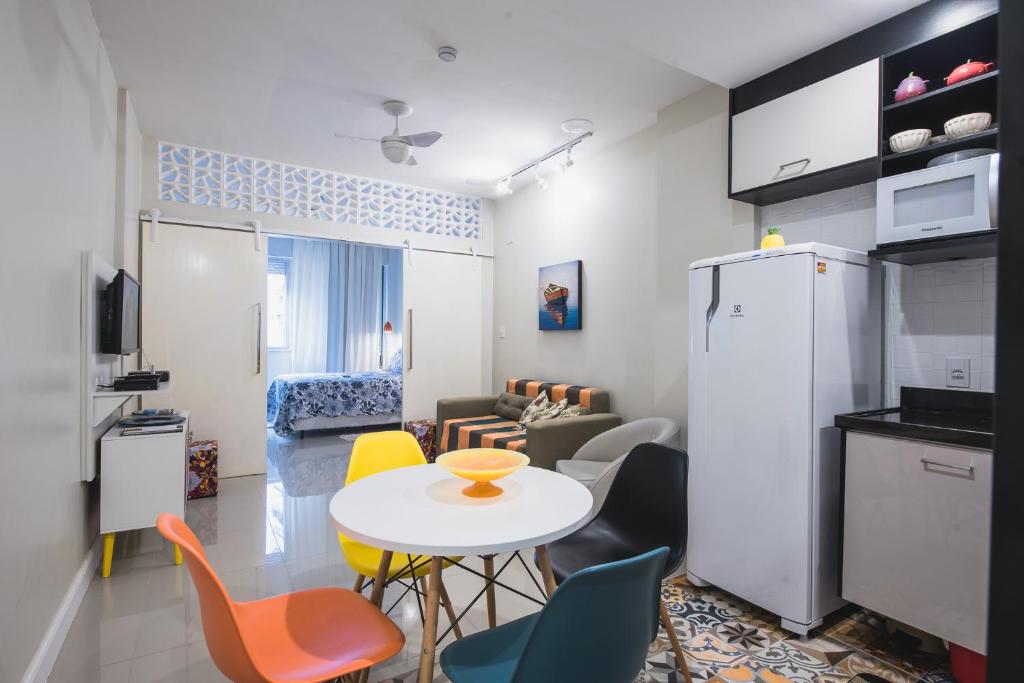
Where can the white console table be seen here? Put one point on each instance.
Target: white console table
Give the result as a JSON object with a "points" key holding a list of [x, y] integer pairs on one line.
{"points": [[141, 476]]}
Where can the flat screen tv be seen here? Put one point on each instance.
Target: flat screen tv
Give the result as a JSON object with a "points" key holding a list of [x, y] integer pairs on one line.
{"points": [[122, 309]]}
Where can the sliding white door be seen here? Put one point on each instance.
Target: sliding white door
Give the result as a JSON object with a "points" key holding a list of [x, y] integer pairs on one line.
{"points": [[204, 300], [443, 337]]}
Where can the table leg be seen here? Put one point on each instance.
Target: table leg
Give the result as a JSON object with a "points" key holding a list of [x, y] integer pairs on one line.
{"points": [[377, 595], [492, 618], [426, 674], [545, 570]]}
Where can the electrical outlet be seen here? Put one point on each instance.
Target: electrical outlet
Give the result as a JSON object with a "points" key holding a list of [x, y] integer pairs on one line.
{"points": [[958, 372]]}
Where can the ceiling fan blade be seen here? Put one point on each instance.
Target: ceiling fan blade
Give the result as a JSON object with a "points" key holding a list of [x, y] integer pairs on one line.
{"points": [[422, 139], [355, 137], [412, 161]]}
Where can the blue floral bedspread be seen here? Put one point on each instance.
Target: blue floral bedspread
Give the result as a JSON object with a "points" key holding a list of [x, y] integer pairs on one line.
{"points": [[293, 397]]}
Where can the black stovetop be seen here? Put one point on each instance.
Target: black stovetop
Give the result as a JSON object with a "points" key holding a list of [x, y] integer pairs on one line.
{"points": [[960, 418]]}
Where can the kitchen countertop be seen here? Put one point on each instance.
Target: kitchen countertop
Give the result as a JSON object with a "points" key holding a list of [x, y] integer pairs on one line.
{"points": [[958, 418]]}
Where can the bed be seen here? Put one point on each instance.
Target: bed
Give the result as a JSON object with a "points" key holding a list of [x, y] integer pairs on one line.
{"points": [[333, 400]]}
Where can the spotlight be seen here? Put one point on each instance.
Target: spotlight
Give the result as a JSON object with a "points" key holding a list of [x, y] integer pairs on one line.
{"points": [[568, 163], [542, 182], [504, 187]]}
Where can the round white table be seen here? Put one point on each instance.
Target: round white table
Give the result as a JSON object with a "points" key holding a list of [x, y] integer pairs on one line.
{"points": [[421, 511]]}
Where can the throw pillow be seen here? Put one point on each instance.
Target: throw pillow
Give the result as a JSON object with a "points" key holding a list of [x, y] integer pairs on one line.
{"points": [[547, 411], [574, 411], [531, 411]]}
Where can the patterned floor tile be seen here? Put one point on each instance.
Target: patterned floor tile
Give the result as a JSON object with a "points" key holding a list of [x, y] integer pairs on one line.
{"points": [[785, 659], [749, 674], [823, 648], [707, 652], [700, 614], [862, 664], [744, 636]]}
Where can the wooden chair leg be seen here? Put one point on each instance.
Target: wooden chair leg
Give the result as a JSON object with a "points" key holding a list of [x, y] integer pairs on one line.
{"points": [[666, 622], [492, 617], [450, 611], [360, 579]]}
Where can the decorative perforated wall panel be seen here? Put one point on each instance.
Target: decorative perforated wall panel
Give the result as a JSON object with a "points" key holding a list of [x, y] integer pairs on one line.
{"points": [[207, 178]]}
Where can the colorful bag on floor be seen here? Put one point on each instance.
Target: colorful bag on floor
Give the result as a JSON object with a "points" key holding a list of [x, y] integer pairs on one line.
{"points": [[202, 469], [424, 431]]}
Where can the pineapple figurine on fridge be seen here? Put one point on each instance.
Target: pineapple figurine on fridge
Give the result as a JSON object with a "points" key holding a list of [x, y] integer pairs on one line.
{"points": [[773, 239]]}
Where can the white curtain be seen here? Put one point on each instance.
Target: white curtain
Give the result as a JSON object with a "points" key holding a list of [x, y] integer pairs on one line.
{"points": [[336, 299], [363, 301], [308, 287]]}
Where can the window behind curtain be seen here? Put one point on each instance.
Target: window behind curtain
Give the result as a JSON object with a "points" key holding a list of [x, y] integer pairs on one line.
{"points": [[277, 302]]}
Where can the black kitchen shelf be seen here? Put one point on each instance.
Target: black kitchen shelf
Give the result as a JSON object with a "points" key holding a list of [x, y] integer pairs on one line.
{"points": [[939, 249], [945, 91], [933, 60], [916, 159]]}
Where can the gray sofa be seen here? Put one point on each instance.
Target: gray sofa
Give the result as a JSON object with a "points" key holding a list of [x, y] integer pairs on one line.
{"points": [[491, 419]]}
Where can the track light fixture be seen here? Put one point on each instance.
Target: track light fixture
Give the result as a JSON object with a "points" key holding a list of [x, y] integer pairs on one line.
{"points": [[503, 187]]}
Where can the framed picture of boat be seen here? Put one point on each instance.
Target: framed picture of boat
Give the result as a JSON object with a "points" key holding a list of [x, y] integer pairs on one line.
{"points": [[560, 296]]}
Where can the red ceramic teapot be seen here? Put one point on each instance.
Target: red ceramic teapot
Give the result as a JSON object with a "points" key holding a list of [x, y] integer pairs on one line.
{"points": [[968, 70]]}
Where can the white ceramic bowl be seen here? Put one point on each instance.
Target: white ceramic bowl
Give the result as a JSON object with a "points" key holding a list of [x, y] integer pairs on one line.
{"points": [[907, 140], [967, 124]]}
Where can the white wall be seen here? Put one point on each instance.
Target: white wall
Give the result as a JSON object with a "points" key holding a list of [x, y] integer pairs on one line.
{"points": [[637, 213], [933, 311], [58, 193]]}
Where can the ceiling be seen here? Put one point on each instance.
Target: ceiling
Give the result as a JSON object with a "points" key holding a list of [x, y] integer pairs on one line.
{"points": [[276, 79]]}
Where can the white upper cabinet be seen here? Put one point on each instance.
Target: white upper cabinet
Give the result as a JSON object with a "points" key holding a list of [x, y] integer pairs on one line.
{"points": [[827, 124]]}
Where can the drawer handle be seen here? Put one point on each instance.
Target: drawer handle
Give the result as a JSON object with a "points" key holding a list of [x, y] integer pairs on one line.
{"points": [[805, 160], [965, 468]]}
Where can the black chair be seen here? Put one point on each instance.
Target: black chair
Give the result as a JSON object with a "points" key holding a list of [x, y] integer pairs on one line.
{"points": [[645, 509]]}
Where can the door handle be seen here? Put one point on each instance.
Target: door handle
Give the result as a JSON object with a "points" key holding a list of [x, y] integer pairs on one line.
{"points": [[935, 463], [408, 334], [259, 337], [712, 308]]}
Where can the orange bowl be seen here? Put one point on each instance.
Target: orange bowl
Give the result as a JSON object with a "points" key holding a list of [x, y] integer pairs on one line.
{"points": [[483, 466]]}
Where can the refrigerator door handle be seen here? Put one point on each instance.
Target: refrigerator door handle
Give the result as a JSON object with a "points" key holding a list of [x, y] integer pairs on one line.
{"points": [[712, 308]]}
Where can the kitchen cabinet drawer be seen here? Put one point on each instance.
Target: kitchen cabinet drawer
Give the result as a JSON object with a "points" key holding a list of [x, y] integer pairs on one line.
{"points": [[916, 534], [830, 123]]}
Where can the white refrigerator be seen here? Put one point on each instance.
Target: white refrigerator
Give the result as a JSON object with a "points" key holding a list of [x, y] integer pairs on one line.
{"points": [[781, 340]]}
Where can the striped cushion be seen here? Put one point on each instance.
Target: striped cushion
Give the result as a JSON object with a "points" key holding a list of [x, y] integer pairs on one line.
{"points": [[487, 431], [576, 394]]}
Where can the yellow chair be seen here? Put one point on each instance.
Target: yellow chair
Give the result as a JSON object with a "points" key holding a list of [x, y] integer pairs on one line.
{"points": [[372, 453]]}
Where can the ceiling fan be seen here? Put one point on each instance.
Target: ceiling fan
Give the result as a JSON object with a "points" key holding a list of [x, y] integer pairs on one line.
{"points": [[397, 148]]}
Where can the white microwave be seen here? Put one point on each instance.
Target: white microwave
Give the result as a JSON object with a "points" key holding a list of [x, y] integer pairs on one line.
{"points": [[953, 199]]}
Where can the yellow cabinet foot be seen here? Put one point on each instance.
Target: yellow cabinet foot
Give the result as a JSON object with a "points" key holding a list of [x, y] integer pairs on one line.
{"points": [[108, 553]]}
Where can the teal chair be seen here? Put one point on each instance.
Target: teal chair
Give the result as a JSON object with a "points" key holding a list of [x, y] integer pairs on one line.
{"points": [[596, 628]]}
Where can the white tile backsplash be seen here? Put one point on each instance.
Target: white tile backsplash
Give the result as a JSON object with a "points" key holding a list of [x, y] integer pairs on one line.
{"points": [[933, 311]]}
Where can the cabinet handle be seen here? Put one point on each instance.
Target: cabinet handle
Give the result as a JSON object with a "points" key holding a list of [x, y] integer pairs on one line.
{"points": [[965, 468], [805, 160]]}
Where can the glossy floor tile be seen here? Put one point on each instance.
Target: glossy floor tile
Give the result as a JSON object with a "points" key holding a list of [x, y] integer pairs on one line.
{"points": [[267, 535]]}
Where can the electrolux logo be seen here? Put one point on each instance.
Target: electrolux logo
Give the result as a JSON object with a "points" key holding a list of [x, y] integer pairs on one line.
{"points": [[737, 311]]}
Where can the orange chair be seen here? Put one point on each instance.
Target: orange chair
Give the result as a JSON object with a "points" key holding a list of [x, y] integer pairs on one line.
{"points": [[304, 637]]}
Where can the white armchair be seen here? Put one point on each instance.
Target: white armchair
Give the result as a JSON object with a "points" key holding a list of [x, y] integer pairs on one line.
{"points": [[594, 465]]}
